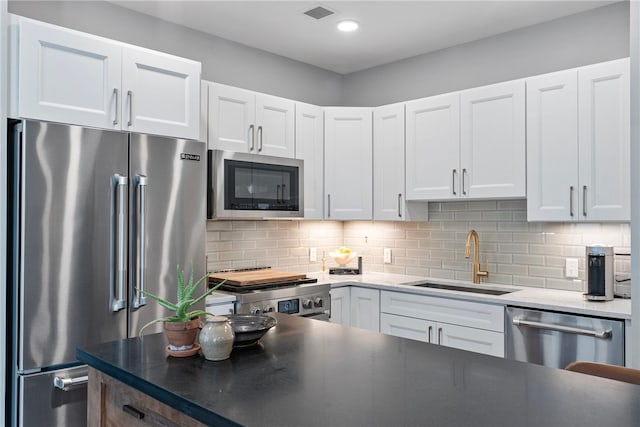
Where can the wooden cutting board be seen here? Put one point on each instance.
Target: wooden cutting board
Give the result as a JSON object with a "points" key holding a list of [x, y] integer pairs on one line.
{"points": [[255, 277]]}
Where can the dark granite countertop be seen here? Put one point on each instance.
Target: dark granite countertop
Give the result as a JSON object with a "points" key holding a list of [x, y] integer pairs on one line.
{"points": [[312, 373]]}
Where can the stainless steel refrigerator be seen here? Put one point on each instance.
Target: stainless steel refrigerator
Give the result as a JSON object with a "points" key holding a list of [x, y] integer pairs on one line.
{"points": [[94, 215]]}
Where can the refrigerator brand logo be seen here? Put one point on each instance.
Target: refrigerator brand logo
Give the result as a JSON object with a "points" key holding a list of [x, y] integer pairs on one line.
{"points": [[187, 156]]}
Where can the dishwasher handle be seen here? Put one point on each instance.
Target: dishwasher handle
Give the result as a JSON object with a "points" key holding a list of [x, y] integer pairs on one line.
{"points": [[604, 334]]}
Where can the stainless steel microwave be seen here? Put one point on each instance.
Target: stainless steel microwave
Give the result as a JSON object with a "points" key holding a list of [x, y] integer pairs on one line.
{"points": [[253, 186]]}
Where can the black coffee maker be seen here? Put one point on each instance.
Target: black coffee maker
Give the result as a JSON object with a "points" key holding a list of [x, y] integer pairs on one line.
{"points": [[599, 273]]}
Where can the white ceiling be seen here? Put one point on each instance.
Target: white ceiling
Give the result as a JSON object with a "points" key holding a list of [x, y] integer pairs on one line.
{"points": [[389, 30]]}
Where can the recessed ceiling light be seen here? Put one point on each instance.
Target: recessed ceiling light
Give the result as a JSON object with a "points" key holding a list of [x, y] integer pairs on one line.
{"points": [[347, 26]]}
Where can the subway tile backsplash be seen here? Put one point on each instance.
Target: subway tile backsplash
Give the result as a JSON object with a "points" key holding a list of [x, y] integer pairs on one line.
{"points": [[514, 251]]}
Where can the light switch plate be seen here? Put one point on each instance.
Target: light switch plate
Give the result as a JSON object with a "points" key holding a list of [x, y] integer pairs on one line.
{"points": [[313, 254], [387, 255], [571, 268]]}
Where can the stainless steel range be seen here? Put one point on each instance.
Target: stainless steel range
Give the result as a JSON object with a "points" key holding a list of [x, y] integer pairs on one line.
{"points": [[266, 291]]}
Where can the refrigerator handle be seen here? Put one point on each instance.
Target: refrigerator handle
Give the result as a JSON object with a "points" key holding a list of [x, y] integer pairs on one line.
{"points": [[119, 276], [139, 299], [67, 384]]}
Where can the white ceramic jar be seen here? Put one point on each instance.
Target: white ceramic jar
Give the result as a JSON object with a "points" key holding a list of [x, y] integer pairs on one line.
{"points": [[216, 338]]}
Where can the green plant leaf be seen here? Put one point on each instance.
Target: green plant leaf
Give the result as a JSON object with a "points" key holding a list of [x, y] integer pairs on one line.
{"points": [[164, 319], [163, 302], [195, 313]]}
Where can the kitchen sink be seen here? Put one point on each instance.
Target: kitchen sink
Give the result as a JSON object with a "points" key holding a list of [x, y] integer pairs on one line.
{"points": [[475, 290]]}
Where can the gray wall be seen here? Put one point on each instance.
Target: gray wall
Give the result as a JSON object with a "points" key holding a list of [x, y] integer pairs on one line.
{"points": [[597, 35], [223, 61]]}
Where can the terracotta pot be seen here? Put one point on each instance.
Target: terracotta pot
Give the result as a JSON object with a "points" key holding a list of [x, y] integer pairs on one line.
{"points": [[181, 335]]}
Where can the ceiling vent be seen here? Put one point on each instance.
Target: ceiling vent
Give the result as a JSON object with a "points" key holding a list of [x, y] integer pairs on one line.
{"points": [[319, 12]]}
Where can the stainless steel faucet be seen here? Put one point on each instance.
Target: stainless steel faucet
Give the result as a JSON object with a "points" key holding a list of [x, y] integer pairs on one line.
{"points": [[476, 273]]}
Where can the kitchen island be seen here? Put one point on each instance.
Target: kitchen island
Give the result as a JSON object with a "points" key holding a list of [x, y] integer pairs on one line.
{"points": [[312, 373]]}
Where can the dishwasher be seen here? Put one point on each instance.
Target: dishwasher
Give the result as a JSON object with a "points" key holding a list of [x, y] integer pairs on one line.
{"points": [[557, 339]]}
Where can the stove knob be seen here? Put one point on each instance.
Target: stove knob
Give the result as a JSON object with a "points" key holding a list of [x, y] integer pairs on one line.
{"points": [[318, 302], [255, 310], [267, 309], [307, 303]]}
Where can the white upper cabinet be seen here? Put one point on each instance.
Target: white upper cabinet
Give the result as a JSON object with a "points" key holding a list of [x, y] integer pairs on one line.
{"points": [[433, 148], [71, 77], [348, 163], [161, 93], [492, 141], [250, 122], [68, 77], [578, 144], [310, 148], [388, 162]]}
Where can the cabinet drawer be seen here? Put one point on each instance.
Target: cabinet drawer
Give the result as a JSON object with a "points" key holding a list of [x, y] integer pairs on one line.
{"points": [[407, 327], [463, 313]]}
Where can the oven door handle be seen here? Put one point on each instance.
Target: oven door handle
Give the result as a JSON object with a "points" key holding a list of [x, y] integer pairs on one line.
{"points": [[604, 334]]}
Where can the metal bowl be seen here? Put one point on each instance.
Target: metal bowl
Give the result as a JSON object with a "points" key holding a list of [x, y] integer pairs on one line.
{"points": [[249, 328]]}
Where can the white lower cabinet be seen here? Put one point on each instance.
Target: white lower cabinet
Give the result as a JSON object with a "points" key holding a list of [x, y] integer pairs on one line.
{"points": [[464, 325], [357, 307], [340, 305]]}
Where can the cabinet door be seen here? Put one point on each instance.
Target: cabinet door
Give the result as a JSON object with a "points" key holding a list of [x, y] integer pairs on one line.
{"points": [[161, 93], [365, 308], [231, 119], [275, 126], [341, 306], [407, 327], [68, 77], [604, 115], [310, 148], [388, 162], [552, 147], [433, 148], [348, 163], [471, 339], [492, 141]]}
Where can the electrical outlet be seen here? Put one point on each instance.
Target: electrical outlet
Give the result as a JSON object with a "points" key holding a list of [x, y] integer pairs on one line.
{"points": [[571, 268], [313, 254], [387, 255]]}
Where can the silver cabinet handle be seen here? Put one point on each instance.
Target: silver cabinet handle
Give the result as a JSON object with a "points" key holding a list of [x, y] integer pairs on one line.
{"points": [[252, 137], [429, 333], [328, 205], [453, 181], [67, 384], [439, 335], [139, 299], [130, 103], [119, 270], [571, 201], [116, 92], [399, 205], [259, 139], [584, 200], [559, 328], [464, 190]]}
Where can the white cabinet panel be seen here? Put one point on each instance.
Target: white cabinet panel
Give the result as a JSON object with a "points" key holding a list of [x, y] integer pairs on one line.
{"points": [[407, 327], [310, 148], [471, 339], [365, 308], [578, 145], [68, 77], [604, 135], [492, 139], [231, 119], [341, 306], [433, 148], [275, 126], [552, 144], [348, 163], [388, 163], [162, 94]]}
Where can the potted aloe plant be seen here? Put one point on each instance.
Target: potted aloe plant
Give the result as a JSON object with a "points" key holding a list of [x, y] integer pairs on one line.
{"points": [[182, 327]]}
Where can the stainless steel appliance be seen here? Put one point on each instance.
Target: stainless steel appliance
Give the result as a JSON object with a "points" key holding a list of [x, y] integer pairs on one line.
{"points": [[557, 339], [253, 186], [599, 273], [298, 297], [93, 215]]}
